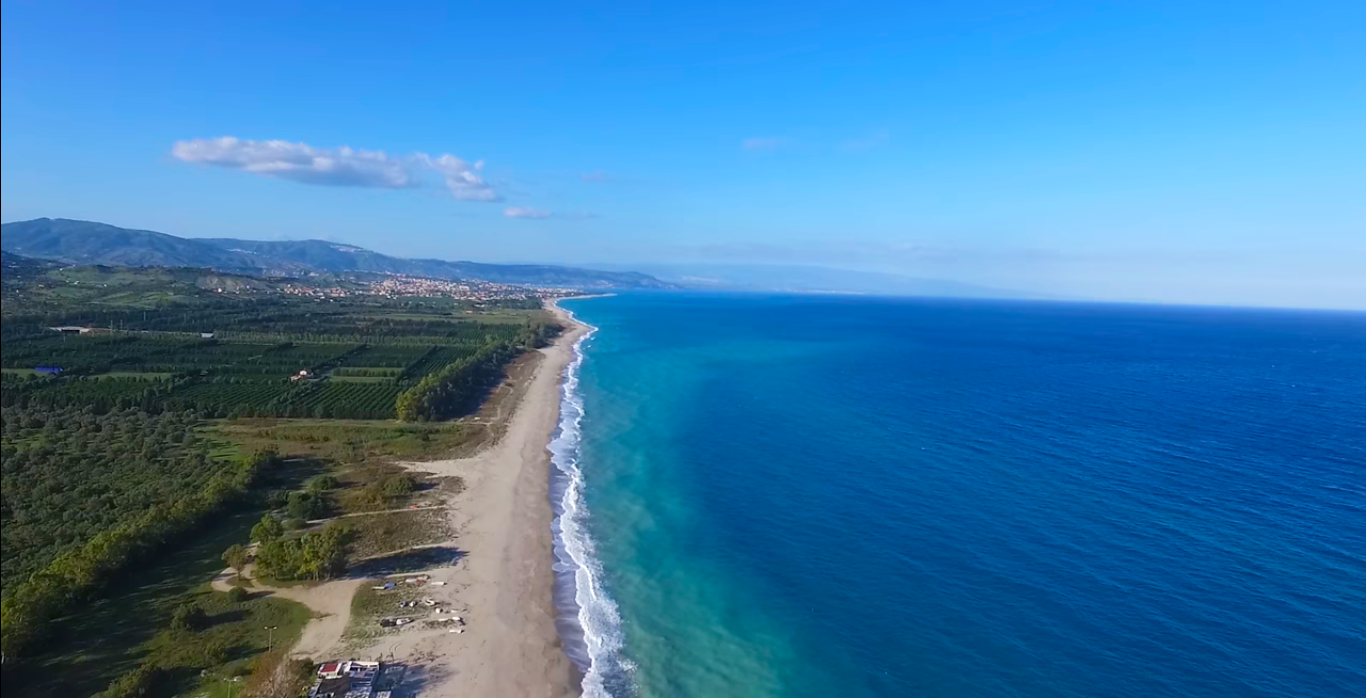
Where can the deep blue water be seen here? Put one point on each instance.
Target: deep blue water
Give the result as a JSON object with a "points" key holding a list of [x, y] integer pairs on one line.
{"points": [[808, 496]]}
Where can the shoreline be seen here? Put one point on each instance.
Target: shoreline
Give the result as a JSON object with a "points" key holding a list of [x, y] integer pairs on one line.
{"points": [[503, 578], [587, 617]]}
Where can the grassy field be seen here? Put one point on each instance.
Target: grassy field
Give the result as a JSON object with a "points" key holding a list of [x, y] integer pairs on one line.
{"points": [[341, 441], [378, 534]]}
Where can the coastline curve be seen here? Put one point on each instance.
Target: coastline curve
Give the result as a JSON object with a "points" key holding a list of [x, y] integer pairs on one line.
{"points": [[586, 616]]}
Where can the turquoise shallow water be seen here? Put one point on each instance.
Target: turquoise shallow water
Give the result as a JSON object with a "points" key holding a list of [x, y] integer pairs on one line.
{"points": [[806, 496]]}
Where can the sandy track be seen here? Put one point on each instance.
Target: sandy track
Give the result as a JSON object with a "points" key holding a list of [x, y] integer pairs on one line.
{"points": [[330, 603]]}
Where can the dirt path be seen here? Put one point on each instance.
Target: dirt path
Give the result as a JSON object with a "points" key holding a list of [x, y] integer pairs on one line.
{"points": [[329, 601], [402, 510]]}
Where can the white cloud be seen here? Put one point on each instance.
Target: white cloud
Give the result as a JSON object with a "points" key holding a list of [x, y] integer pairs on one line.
{"points": [[298, 161], [761, 144], [336, 166], [520, 212], [596, 177], [462, 178]]}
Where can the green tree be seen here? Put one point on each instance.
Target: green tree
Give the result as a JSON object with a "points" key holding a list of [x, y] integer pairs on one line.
{"points": [[267, 529], [235, 557], [317, 555]]}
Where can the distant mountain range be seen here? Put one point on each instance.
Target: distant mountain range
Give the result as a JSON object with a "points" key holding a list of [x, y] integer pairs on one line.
{"points": [[796, 278], [85, 242]]}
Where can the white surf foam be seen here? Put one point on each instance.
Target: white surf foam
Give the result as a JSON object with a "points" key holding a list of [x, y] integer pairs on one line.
{"points": [[587, 619]]}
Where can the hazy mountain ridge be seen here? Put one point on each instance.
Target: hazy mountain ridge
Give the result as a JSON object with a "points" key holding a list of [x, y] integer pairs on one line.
{"points": [[86, 242], [796, 278]]}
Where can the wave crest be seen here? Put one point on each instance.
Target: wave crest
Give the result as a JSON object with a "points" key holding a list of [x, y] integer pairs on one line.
{"points": [[587, 617]]}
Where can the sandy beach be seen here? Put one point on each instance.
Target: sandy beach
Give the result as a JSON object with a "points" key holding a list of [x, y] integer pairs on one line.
{"points": [[502, 580]]}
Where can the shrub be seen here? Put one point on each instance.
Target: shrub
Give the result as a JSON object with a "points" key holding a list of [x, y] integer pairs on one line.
{"points": [[303, 505], [398, 485], [238, 595], [188, 617], [322, 483], [138, 683], [213, 653]]}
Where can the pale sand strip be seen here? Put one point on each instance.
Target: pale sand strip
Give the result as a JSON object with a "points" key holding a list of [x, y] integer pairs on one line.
{"points": [[503, 583]]}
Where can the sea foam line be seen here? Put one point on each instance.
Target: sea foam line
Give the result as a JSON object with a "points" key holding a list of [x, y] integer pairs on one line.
{"points": [[587, 616]]}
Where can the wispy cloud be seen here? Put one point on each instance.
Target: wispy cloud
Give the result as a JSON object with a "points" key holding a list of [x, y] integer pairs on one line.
{"points": [[462, 178], [874, 140], [597, 177], [763, 144], [338, 167], [522, 212], [536, 214]]}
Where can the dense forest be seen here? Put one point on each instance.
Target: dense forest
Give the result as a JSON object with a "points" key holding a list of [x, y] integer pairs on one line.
{"points": [[457, 387], [29, 606], [69, 473]]}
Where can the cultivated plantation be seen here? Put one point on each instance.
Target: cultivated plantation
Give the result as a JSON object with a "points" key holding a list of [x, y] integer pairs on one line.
{"points": [[165, 428]]}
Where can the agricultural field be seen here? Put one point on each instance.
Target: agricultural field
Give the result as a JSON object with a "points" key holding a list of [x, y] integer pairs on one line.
{"points": [[269, 358]]}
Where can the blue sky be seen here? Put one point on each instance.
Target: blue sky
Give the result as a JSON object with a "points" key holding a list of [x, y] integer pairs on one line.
{"points": [[1186, 152]]}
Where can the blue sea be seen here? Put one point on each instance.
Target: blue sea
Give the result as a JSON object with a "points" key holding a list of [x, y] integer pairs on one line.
{"points": [[831, 496]]}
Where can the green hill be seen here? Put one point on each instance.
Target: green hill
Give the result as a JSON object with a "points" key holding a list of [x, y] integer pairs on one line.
{"points": [[85, 242]]}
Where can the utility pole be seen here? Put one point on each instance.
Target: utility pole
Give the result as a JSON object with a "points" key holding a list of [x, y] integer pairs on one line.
{"points": [[270, 644]]}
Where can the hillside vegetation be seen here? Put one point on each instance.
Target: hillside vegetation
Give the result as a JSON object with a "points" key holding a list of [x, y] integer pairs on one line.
{"points": [[86, 242]]}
